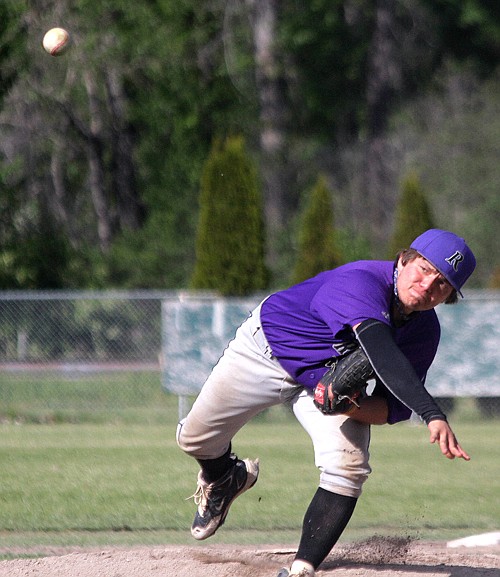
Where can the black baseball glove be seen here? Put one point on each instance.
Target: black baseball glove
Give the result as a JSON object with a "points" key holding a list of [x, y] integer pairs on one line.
{"points": [[346, 379]]}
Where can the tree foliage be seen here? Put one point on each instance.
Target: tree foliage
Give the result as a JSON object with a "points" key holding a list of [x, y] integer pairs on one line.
{"points": [[453, 141], [468, 31], [494, 281], [413, 215], [13, 33], [104, 147], [317, 250], [230, 238]]}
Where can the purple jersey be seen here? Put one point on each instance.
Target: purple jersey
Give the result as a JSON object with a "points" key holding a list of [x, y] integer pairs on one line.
{"points": [[309, 323]]}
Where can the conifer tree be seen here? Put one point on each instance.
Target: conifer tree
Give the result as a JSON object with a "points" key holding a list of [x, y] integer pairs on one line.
{"points": [[230, 238], [317, 249], [494, 280], [413, 215]]}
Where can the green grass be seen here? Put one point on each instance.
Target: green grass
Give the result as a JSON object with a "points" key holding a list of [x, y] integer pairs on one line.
{"points": [[125, 483], [89, 460], [53, 397]]}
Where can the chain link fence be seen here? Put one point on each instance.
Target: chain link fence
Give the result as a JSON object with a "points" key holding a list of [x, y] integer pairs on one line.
{"points": [[103, 355], [80, 355], [47, 329]]}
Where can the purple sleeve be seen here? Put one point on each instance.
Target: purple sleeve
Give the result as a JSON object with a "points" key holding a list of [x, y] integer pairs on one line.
{"points": [[356, 295], [397, 411]]}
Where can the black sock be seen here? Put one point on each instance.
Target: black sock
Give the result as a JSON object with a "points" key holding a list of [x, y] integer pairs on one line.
{"points": [[324, 522], [214, 469]]}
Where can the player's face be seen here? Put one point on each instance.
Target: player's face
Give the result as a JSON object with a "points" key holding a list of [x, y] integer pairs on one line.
{"points": [[421, 286]]}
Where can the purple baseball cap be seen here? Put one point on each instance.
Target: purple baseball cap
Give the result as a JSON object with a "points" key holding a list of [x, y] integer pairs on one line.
{"points": [[448, 253]]}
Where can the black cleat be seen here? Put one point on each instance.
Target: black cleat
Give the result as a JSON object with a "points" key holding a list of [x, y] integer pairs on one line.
{"points": [[214, 499]]}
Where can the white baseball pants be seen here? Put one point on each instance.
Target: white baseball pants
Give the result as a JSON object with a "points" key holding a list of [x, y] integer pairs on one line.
{"points": [[248, 379]]}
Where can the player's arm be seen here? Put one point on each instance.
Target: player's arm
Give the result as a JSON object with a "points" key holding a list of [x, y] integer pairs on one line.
{"points": [[397, 374], [394, 370]]}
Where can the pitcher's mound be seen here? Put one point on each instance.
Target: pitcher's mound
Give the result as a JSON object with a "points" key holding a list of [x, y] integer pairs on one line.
{"points": [[376, 557]]}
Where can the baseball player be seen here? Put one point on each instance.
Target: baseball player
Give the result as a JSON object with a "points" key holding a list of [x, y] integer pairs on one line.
{"points": [[315, 346]]}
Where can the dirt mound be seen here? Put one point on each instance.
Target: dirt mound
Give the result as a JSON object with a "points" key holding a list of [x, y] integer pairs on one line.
{"points": [[376, 557]]}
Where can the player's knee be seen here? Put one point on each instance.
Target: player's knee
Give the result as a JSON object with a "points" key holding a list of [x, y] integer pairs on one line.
{"points": [[345, 472], [198, 443], [188, 443], [181, 438]]}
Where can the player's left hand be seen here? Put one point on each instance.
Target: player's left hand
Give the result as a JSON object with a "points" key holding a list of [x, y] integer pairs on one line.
{"points": [[441, 433], [343, 383]]}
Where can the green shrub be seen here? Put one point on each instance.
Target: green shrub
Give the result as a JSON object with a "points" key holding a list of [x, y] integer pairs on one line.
{"points": [[317, 247], [413, 215], [230, 237]]}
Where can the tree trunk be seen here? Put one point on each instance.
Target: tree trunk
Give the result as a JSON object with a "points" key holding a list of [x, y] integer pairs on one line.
{"points": [[130, 209], [96, 168], [58, 181], [383, 81], [273, 138]]}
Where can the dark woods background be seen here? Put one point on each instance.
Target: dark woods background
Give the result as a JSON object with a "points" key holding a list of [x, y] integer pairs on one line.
{"points": [[363, 120]]}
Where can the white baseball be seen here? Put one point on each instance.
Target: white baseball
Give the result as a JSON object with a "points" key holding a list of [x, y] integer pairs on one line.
{"points": [[56, 41]]}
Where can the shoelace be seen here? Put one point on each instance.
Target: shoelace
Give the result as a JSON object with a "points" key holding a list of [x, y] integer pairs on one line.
{"points": [[200, 496]]}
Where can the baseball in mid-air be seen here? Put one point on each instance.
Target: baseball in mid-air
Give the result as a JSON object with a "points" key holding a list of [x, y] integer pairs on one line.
{"points": [[56, 41]]}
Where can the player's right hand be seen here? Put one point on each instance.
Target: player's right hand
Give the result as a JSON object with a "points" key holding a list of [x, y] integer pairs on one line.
{"points": [[442, 434]]}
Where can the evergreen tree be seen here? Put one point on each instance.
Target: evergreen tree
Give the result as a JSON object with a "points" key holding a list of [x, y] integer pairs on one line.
{"points": [[317, 247], [230, 237], [413, 215], [494, 280]]}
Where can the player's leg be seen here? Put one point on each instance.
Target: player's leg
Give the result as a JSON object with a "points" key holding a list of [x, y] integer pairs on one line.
{"points": [[341, 453], [341, 446], [246, 380], [324, 521]]}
